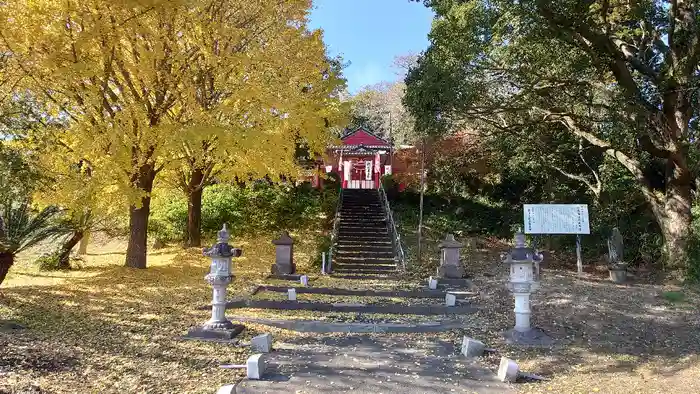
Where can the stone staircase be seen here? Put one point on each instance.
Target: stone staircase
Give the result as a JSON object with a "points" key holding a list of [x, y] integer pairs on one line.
{"points": [[363, 245]]}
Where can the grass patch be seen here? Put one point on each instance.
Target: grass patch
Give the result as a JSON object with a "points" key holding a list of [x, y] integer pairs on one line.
{"points": [[673, 296]]}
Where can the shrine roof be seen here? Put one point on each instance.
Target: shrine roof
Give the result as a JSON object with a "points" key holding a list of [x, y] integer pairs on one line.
{"points": [[362, 136]]}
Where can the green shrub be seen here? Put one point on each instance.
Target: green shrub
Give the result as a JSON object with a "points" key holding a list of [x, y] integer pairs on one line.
{"points": [[49, 262], [168, 218], [222, 204], [258, 207]]}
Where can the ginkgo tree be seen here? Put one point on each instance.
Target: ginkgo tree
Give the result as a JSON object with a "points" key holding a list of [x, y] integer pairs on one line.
{"points": [[126, 76], [256, 111]]}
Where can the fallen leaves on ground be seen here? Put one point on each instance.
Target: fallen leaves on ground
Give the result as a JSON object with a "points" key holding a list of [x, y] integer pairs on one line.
{"points": [[109, 329]]}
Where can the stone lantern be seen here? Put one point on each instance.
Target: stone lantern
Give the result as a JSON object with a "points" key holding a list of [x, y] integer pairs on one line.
{"points": [[219, 276], [450, 265], [524, 265], [284, 256]]}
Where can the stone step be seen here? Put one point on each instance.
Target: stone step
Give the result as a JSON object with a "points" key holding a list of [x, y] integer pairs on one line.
{"points": [[361, 231], [378, 254], [362, 268], [365, 248], [364, 240], [362, 237], [344, 223], [363, 216], [421, 309], [362, 219], [362, 271], [363, 260], [362, 224], [368, 229], [379, 276], [361, 211], [417, 293], [376, 260]]}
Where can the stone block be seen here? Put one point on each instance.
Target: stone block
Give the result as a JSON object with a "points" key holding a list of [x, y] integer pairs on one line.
{"points": [[292, 294], [507, 370], [472, 348], [450, 299], [283, 269], [432, 283], [304, 280], [228, 389], [451, 271], [284, 255], [262, 343], [223, 334], [255, 366]]}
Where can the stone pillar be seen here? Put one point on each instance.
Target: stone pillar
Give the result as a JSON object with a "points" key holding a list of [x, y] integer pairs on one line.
{"points": [[220, 276], [284, 255], [450, 264]]}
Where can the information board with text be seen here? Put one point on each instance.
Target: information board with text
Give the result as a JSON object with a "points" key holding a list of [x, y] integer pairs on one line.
{"points": [[556, 219]]}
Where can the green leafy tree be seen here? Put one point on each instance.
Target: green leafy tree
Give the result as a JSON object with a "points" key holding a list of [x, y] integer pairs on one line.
{"points": [[614, 78]]}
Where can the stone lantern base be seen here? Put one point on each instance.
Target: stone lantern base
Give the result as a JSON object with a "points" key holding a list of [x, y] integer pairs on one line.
{"points": [[534, 337], [220, 331], [286, 270], [451, 271]]}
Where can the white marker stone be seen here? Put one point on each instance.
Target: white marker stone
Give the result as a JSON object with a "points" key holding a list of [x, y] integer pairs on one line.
{"points": [[228, 389], [255, 367], [472, 348], [450, 299], [262, 343], [304, 280], [507, 370], [292, 294], [432, 283]]}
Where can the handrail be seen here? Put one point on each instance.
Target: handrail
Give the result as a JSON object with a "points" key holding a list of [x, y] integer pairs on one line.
{"points": [[334, 233], [396, 237]]}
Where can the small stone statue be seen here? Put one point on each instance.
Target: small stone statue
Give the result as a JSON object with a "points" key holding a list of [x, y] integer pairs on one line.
{"points": [[615, 248]]}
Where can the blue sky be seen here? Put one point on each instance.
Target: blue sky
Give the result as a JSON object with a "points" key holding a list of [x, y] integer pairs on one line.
{"points": [[369, 33]]}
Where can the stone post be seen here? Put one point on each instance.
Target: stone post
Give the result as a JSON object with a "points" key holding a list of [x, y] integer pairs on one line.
{"points": [[616, 261], [284, 256], [524, 279], [219, 276], [450, 265]]}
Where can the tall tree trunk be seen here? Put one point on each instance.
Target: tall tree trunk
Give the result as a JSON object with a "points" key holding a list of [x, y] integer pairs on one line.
{"points": [[6, 261], [675, 216], [82, 249], [194, 208], [138, 219], [64, 254]]}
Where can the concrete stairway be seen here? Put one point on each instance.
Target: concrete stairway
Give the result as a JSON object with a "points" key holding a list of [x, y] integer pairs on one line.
{"points": [[363, 246]]}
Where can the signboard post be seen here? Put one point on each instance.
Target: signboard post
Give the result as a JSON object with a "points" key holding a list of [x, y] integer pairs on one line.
{"points": [[558, 219]]}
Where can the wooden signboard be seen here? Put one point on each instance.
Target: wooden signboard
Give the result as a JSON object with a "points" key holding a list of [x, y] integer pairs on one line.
{"points": [[556, 219]]}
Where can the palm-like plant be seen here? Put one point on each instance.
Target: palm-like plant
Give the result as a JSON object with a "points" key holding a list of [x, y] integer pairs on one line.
{"points": [[22, 227]]}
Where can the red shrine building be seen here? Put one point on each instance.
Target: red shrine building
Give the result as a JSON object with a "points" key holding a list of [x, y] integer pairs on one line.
{"points": [[360, 160]]}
